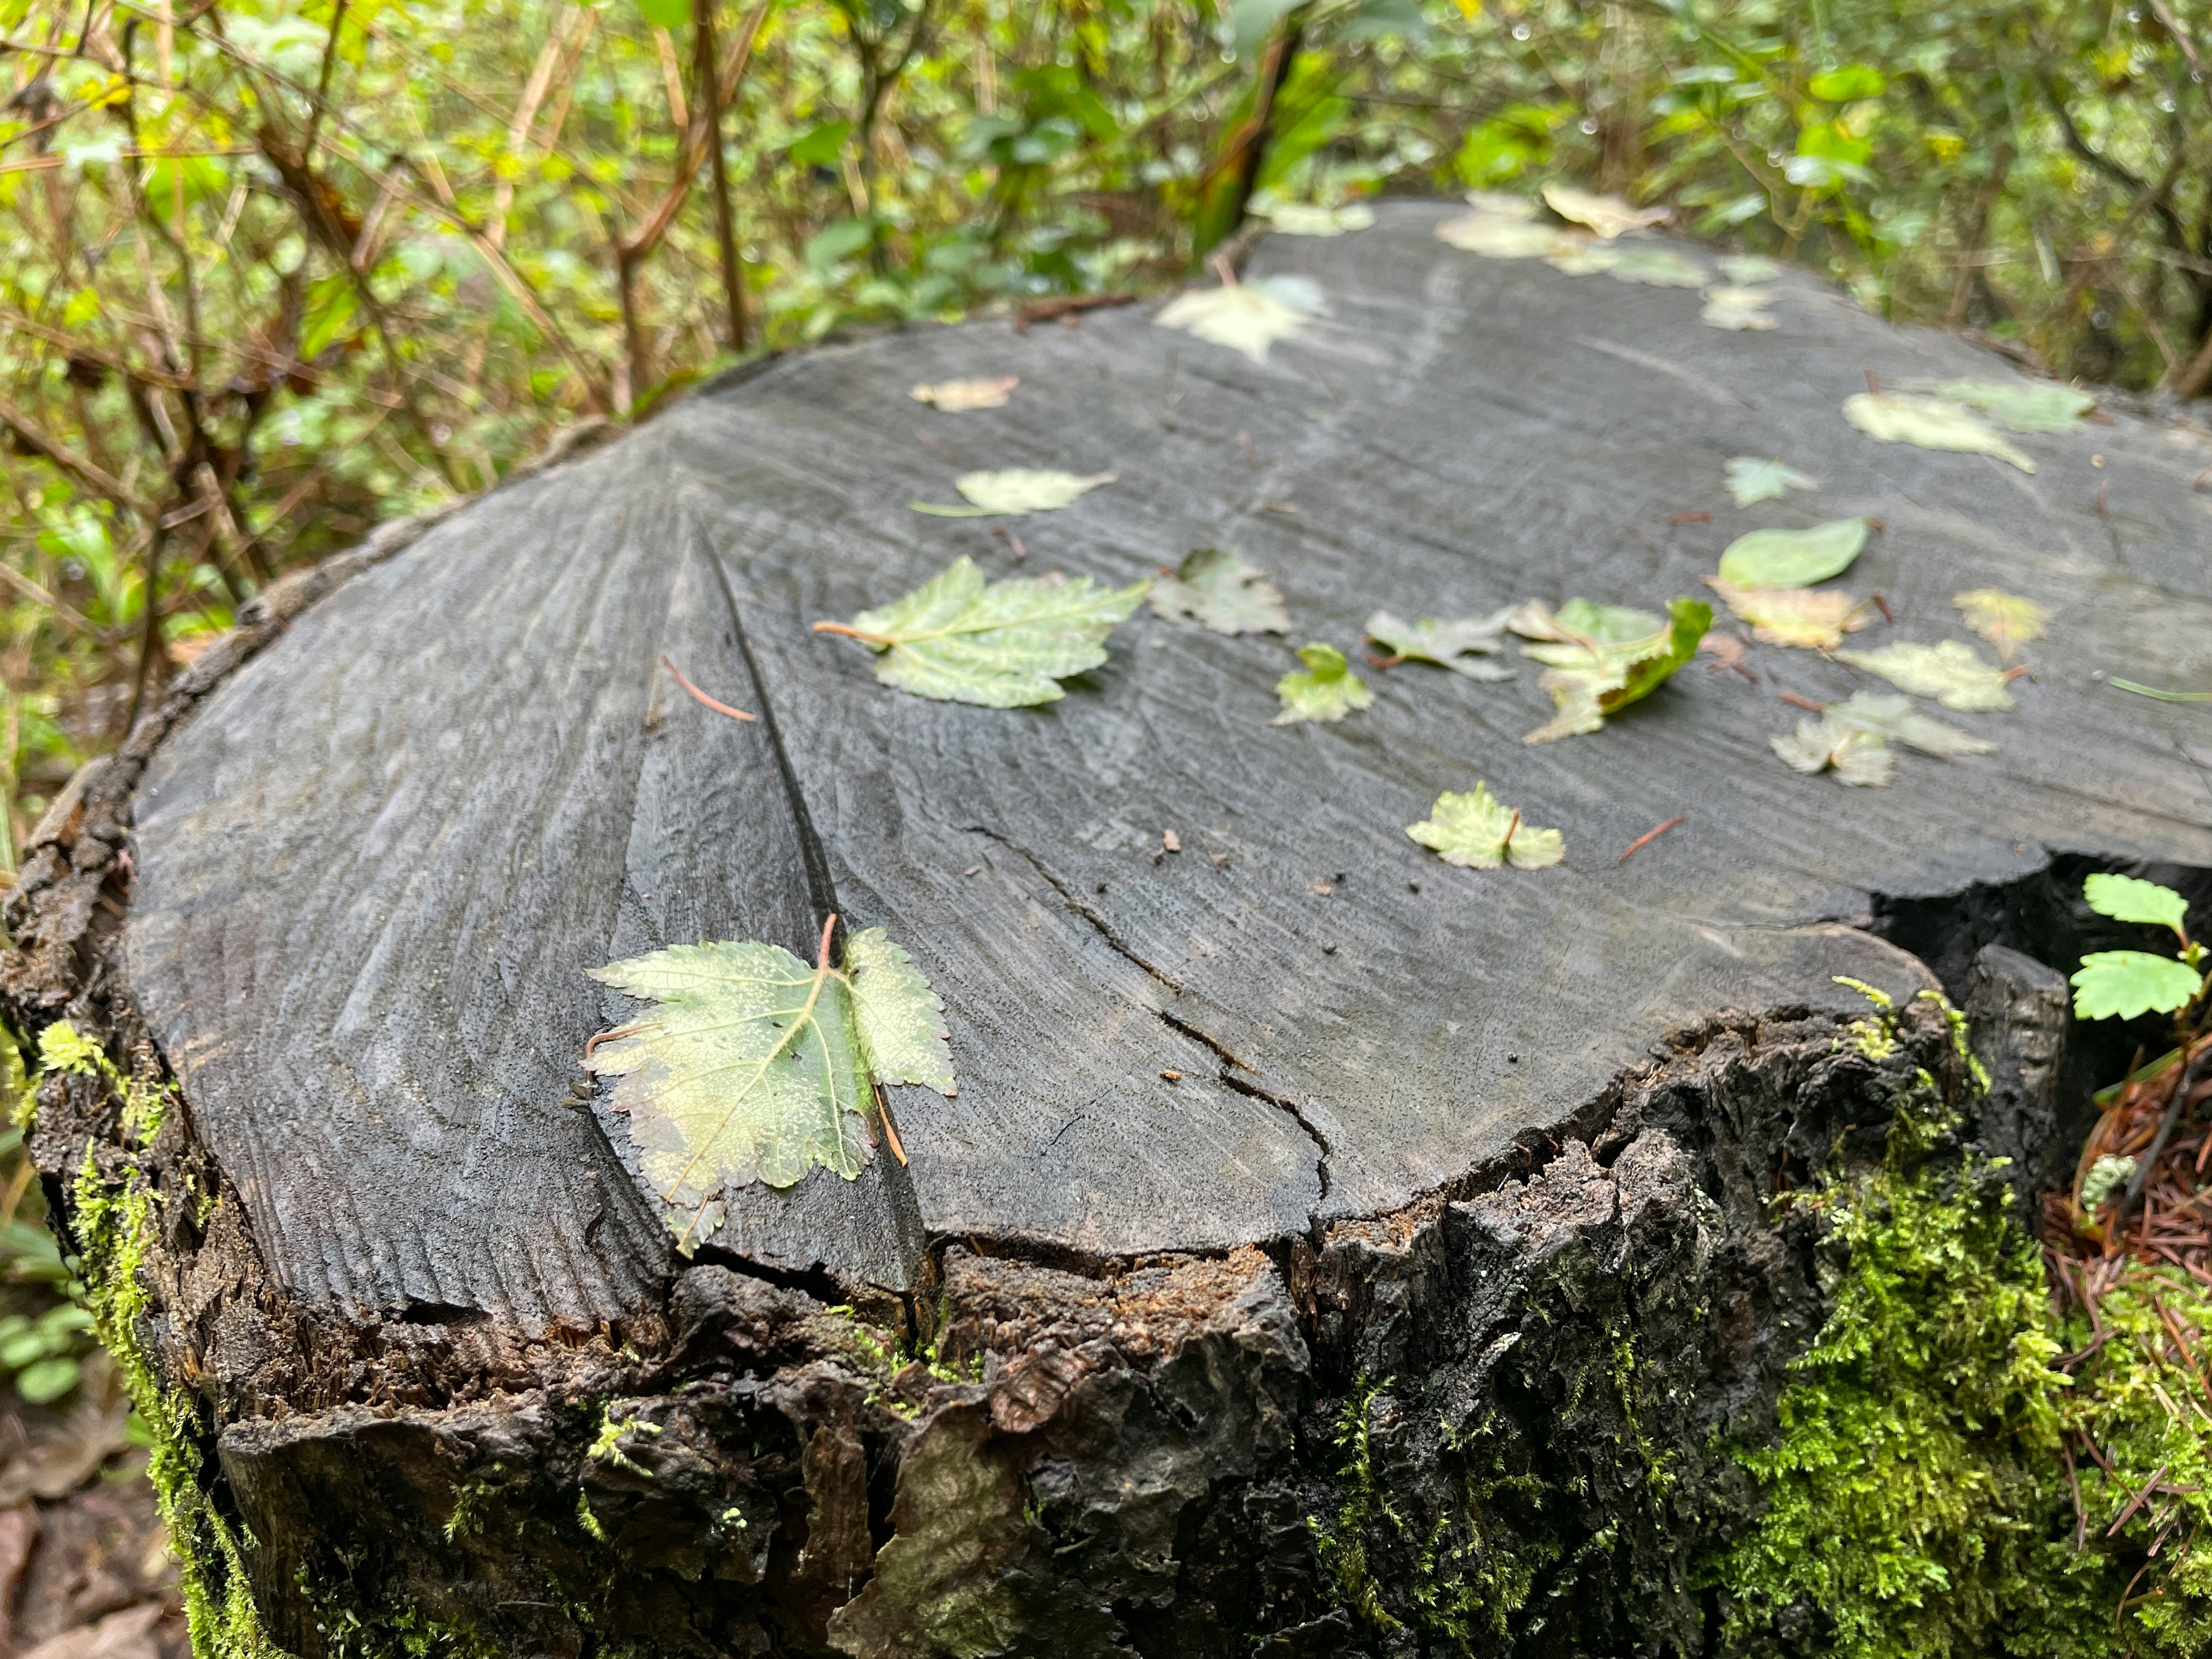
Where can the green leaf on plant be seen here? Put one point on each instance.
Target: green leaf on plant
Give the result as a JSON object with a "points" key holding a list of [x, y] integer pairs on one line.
{"points": [[1590, 676], [665, 14], [1793, 558], [44, 1381], [1858, 757], [2023, 406], [2121, 984], [2005, 620], [751, 1066], [820, 145], [1893, 717], [1458, 644], [1950, 673], [1476, 832], [1015, 490], [63, 1047], [1750, 479], [2130, 898], [1905, 417], [1326, 691], [1245, 316], [1219, 590], [1003, 647], [1848, 84]]}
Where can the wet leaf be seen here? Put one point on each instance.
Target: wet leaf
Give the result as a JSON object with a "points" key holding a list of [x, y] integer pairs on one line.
{"points": [[1793, 558], [2130, 898], [1305, 219], [1456, 645], [750, 1065], [1748, 268], [1608, 216], [1950, 673], [955, 397], [1590, 677], [2023, 406], [1894, 718], [1796, 616], [1003, 647], [1477, 832], [1495, 236], [2122, 984], [1578, 622], [1906, 417], [2005, 620], [1750, 479], [1741, 309], [1858, 758], [1326, 691], [1218, 589], [1013, 491], [1245, 316]]}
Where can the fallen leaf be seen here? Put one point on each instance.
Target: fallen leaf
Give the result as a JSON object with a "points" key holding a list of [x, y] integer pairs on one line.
{"points": [[1014, 491], [2122, 984], [1495, 236], [2005, 620], [751, 1066], [1005, 646], [1858, 758], [1449, 644], [1326, 691], [1748, 268], [1656, 266], [1739, 308], [1796, 616], [1218, 589], [955, 397], [1793, 558], [1895, 718], [1750, 480], [2025, 406], [1245, 316], [1608, 216], [1906, 417], [1951, 672], [1475, 832], [1590, 677], [1578, 622], [1499, 204], [1306, 219], [1579, 255]]}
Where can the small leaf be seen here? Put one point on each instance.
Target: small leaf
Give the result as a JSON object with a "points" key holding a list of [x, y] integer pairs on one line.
{"points": [[900, 1020], [1904, 417], [1895, 718], [1656, 266], [1793, 558], [1848, 84], [1476, 832], [1306, 219], [1748, 268], [957, 397], [1950, 673], [1581, 255], [1003, 646], [1750, 480], [2130, 898], [1608, 216], [1217, 589], [1794, 616], [2121, 984], [2023, 406], [1245, 316], [1740, 309], [1495, 236], [1015, 490], [1499, 204], [2005, 620], [820, 145], [1449, 644], [1328, 690], [1579, 623], [1859, 758], [1590, 677]]}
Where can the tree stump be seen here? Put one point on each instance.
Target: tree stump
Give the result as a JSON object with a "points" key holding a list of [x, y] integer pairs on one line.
{"points": [[1271, 1275]]}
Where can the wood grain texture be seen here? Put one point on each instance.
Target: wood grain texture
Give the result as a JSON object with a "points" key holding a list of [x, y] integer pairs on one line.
{"points": [[375, 866]]}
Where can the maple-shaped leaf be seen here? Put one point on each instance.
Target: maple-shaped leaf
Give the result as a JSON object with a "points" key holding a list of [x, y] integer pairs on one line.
{"points": [[955, 397], [2005, 620], [1218, 589], [1896, 718], [1590, 677], [1245, 316], [1307, 219], [1906, 417], [1005, 645], [2025, 406], [1608, 216], [1458, 645], [1014, 490], [1477, 831], [2130, 898], [1326, 691], [751, 1066], [1750, 479], [1950, 673], [1858, 757], [1799, 617], [2121, 984], [1793, 558], [1500, 236], [1740, 309]]}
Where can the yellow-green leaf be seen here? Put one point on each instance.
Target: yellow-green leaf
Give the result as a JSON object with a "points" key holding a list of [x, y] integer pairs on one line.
{"points": [[1608, 216], [1950, 673], [2005, 620], [1476, 832], [1589, 676], [1221, 591], [1326, 691], [1858, 758], [1457, 644], [1245, 316], [1015, 490], [1799, 617], [1905, 417], [1793, 558]]}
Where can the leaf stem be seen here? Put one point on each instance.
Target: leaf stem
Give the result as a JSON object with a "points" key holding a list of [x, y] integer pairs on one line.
{"points": [[852, 633], [719, 707]]}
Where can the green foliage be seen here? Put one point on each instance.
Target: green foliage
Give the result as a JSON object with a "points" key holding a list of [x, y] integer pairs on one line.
{"points": [[2130, 898], [2122, 984], [1793, 558], [1750, 479], [1951, 672], [1478, 831], [1596, 667], [1326, 690]]}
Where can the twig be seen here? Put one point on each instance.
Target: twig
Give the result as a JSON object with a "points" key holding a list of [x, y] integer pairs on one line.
{"points": [[1647, 838], [677, 674], [2137, 1501]]}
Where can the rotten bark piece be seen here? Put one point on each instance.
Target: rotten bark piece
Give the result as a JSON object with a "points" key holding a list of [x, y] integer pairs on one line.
{"points": [[2018, 1012]]}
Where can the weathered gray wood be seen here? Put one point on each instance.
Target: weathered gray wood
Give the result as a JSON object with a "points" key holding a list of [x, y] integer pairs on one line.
{"points": [[374, 867]]}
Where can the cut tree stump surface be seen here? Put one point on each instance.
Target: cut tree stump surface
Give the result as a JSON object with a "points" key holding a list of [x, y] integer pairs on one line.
{"points": [[374, 867]]}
